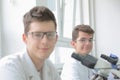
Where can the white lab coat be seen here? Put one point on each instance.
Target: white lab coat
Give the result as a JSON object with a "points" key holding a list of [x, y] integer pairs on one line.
{"points": [[74, 70], [20, 67]]}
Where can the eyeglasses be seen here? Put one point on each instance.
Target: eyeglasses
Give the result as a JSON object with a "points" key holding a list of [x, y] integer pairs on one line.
{"points": [[39, 35], [85, 40]]}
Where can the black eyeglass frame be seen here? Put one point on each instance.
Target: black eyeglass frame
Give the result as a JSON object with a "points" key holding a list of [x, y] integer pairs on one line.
{"points": [[39, 35]]}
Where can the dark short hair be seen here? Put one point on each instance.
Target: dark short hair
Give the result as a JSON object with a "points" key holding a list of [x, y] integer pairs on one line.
{"points": [[83, 28], [38, 13]]}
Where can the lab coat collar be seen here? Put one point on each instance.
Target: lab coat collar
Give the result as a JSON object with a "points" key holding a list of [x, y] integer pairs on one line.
{"points": [[29, 68], [46, 72], [31, 71]]}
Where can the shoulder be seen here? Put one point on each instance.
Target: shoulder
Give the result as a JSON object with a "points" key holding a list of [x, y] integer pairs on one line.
{"points": [[73, 67], [72, 62], [11, 61], [11, 67]]}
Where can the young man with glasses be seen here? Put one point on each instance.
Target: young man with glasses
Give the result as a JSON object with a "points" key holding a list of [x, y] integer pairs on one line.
{"points": [[40, 37], [82, 42]]}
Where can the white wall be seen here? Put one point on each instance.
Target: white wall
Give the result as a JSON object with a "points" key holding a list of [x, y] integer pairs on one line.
{"points": [[107, 20], [107, 15], [12, 26], [0, 27]]}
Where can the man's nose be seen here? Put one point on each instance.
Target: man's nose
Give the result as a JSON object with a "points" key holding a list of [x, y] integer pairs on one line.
{"points": [[44, 37]]}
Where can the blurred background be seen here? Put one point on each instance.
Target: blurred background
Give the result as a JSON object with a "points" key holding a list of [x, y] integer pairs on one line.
{"points": [[102, 15]]}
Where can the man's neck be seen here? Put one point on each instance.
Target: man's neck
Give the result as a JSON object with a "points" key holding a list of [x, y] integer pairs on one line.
{"points": [[38, 64]]}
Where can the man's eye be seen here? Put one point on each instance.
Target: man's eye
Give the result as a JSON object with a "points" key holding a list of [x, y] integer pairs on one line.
{"points": [[38, 35], [50, 34], [90, 40], [82, 40]]}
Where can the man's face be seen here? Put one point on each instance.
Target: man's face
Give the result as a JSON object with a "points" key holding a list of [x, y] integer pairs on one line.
{"points": [[84, 43], [40, 45]]}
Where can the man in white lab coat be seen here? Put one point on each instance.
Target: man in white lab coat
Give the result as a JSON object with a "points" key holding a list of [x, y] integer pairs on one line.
{"points": [[82, 42], [40, 37]]}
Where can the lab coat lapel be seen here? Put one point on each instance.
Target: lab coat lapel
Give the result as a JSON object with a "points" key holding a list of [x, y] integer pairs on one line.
{"points": [[46, 72], [33, 77], [29, 68]]}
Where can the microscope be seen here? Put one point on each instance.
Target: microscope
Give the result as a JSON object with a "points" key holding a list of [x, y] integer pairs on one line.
{"points": [[103, 66]]}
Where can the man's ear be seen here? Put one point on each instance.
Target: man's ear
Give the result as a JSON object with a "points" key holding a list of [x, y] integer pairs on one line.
{"points": [[24, 38], [56, 38], [73, 44]]}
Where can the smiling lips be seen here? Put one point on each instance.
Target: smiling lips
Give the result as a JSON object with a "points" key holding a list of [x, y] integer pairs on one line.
{"points": [[44, 49]]}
